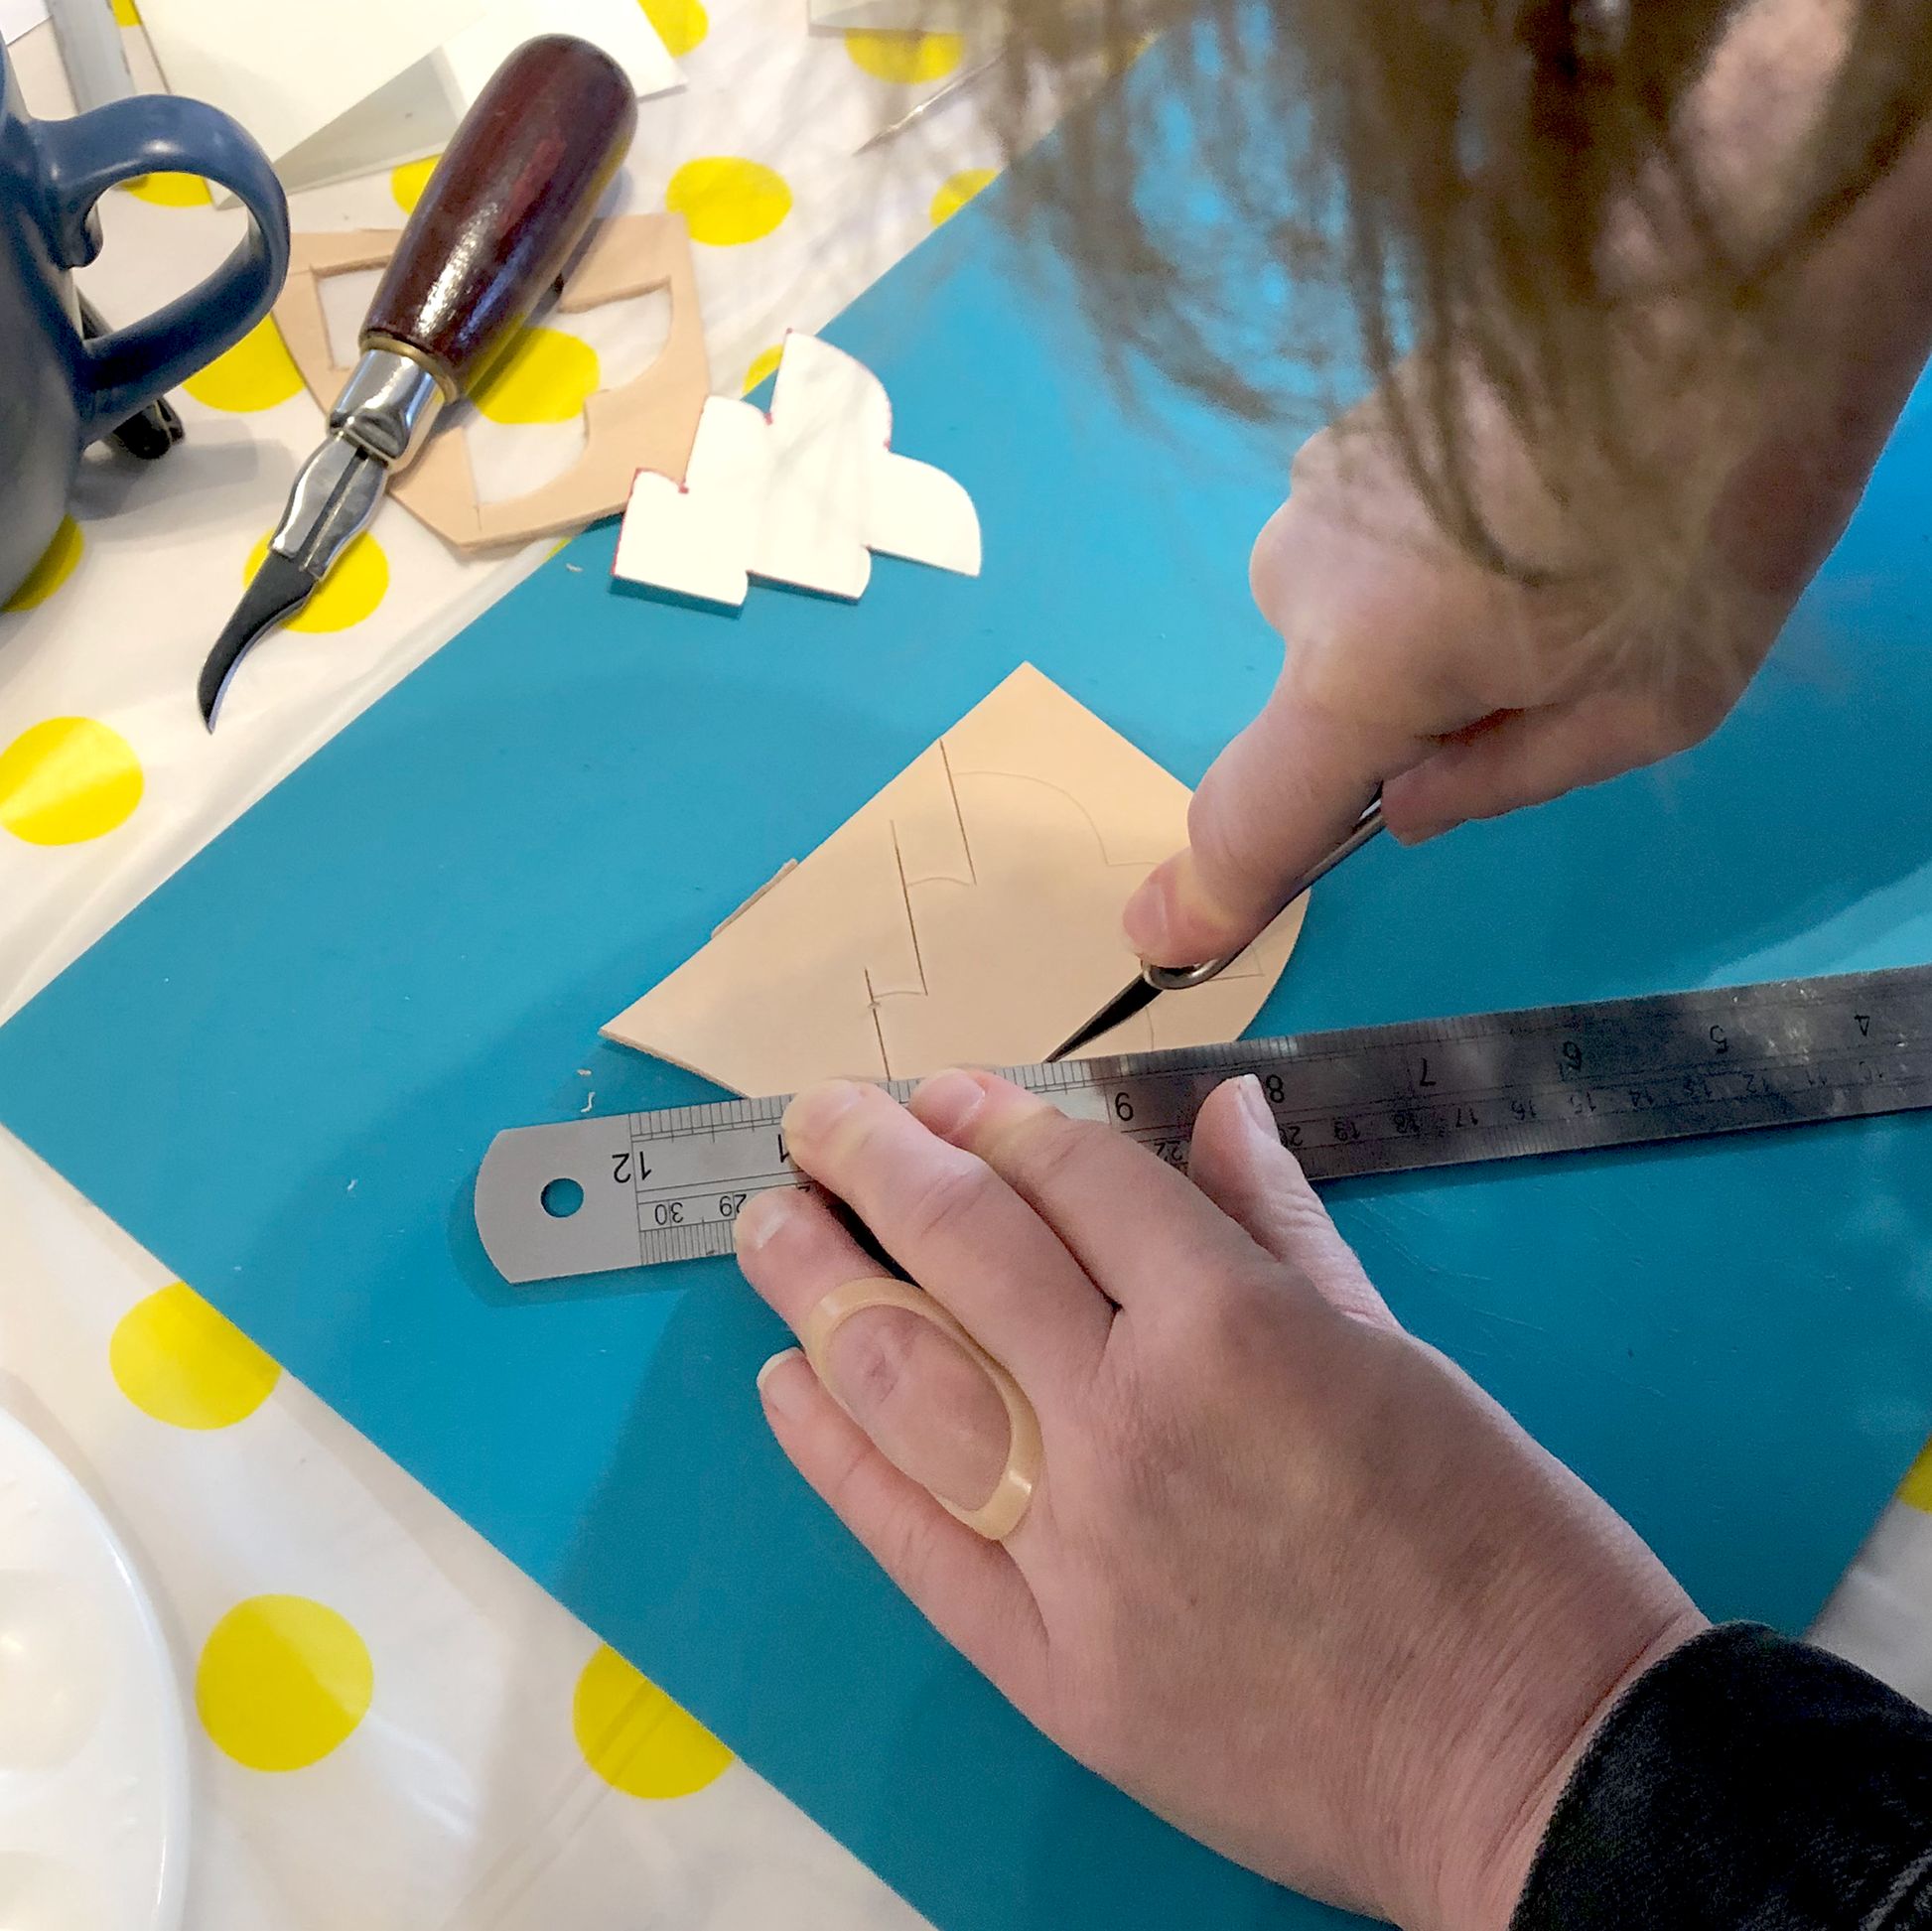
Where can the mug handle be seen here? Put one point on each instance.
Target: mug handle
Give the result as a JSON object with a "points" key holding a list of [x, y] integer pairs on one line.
{"points": [[126, 370]]}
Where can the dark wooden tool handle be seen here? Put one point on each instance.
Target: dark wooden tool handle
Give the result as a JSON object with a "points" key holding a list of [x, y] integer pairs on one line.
{"points": [[510, 200]]}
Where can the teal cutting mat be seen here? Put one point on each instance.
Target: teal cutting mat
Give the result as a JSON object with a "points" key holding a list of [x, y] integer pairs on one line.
{"points": [[280, 1074]]}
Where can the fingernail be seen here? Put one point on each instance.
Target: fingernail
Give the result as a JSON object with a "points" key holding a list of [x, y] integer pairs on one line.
{"points": [[944, 1103], [1144, 916], [1255, 1103], [819, 1109], [762, 1216], [784, 1394]]}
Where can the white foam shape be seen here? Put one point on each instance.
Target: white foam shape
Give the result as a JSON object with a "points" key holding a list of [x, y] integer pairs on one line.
{"points": [[694, 536], [829, 420], [802, 496], [925, 516]]}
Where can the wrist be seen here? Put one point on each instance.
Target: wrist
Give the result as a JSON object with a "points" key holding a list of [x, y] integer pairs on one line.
{"points": [[1488, 1856]]}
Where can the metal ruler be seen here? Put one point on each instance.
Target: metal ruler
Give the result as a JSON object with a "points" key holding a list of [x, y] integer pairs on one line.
{"points": [[629, 1189]]}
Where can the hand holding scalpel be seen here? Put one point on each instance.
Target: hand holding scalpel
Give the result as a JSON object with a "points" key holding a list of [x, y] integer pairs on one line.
{"points": [[1140, 992]]}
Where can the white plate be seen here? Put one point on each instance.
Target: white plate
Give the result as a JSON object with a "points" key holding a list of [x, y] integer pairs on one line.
{"points": [[93, 1756]]}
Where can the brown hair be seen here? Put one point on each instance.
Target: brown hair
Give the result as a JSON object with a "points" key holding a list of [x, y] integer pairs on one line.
{"points": [[1539, 206]]}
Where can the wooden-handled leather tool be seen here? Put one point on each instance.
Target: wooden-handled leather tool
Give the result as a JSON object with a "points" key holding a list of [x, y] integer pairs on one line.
{"points": [[508, 203]]}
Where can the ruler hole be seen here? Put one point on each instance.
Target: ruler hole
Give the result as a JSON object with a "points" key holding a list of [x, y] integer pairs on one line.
{"points": [[562, 1198]]}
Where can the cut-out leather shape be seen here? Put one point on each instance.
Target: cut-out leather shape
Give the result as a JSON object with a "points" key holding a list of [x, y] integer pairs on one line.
{"points": [[649, 422], [968, 914], [800, 495]]}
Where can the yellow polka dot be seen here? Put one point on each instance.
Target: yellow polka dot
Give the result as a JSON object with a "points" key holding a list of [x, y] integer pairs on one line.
{"points": [[170, 191], [126, 13], [256, 374], [635, 1738], [1916, 1488], [957, 190], [726, 200], [67, 780], [407, 183], [904, 56], [680, 24], [543, 376], [282, 1681], [762, 363], [53, 570], [348, 593], [181, 1361]]}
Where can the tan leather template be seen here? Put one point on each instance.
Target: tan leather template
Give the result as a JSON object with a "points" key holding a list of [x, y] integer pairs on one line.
{"points": [[647, 423], [968, 914]]}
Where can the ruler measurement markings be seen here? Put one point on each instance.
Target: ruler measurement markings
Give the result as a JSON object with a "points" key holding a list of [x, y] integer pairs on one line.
{"points": [[1439, 1119], [1379, 1099]]}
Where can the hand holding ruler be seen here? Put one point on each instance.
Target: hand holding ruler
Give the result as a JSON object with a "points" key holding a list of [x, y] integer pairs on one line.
{"points": [[586, 1196]]}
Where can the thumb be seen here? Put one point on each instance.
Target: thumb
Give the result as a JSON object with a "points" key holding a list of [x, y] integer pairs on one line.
{"points": [[1238, 1160]]}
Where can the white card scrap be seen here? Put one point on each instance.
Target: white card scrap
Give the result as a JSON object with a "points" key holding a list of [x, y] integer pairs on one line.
{"points": [[286, 69], [800, 496], [620, 27], [352, 86], [17, 17], [900, 16]]}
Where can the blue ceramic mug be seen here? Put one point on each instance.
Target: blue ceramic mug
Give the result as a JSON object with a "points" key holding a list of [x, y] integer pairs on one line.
{"points": [[59, 393]]}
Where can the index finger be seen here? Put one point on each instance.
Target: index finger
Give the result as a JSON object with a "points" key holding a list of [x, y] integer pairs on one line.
{"points": [[1138, 1227]]}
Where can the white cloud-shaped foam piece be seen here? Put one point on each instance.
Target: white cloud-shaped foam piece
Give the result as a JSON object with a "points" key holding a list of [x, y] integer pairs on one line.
{"points": [[801, 496]]}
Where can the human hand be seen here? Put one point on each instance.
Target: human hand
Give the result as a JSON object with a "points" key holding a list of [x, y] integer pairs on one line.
{"points": [[1468, 691], [1289, 1577], [1465, 693]]}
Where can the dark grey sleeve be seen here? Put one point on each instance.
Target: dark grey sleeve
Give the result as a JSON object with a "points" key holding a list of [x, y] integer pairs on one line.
{"points": [[1747, 1781]]}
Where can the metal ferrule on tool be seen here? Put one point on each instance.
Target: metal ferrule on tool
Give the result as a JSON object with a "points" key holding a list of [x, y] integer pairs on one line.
{"points": [[385, 413], [389, 406]]}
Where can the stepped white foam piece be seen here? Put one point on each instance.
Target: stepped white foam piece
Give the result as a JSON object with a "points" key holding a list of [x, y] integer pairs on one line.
{"points": [[93, 1752], [801, 496], [691, 536]]}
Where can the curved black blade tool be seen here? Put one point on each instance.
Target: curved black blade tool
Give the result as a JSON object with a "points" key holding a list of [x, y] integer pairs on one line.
{"points": [[279, 589], [505, 208]]}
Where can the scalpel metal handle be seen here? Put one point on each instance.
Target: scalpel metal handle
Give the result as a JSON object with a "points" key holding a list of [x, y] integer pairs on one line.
{"points": [[1175, 979]]}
